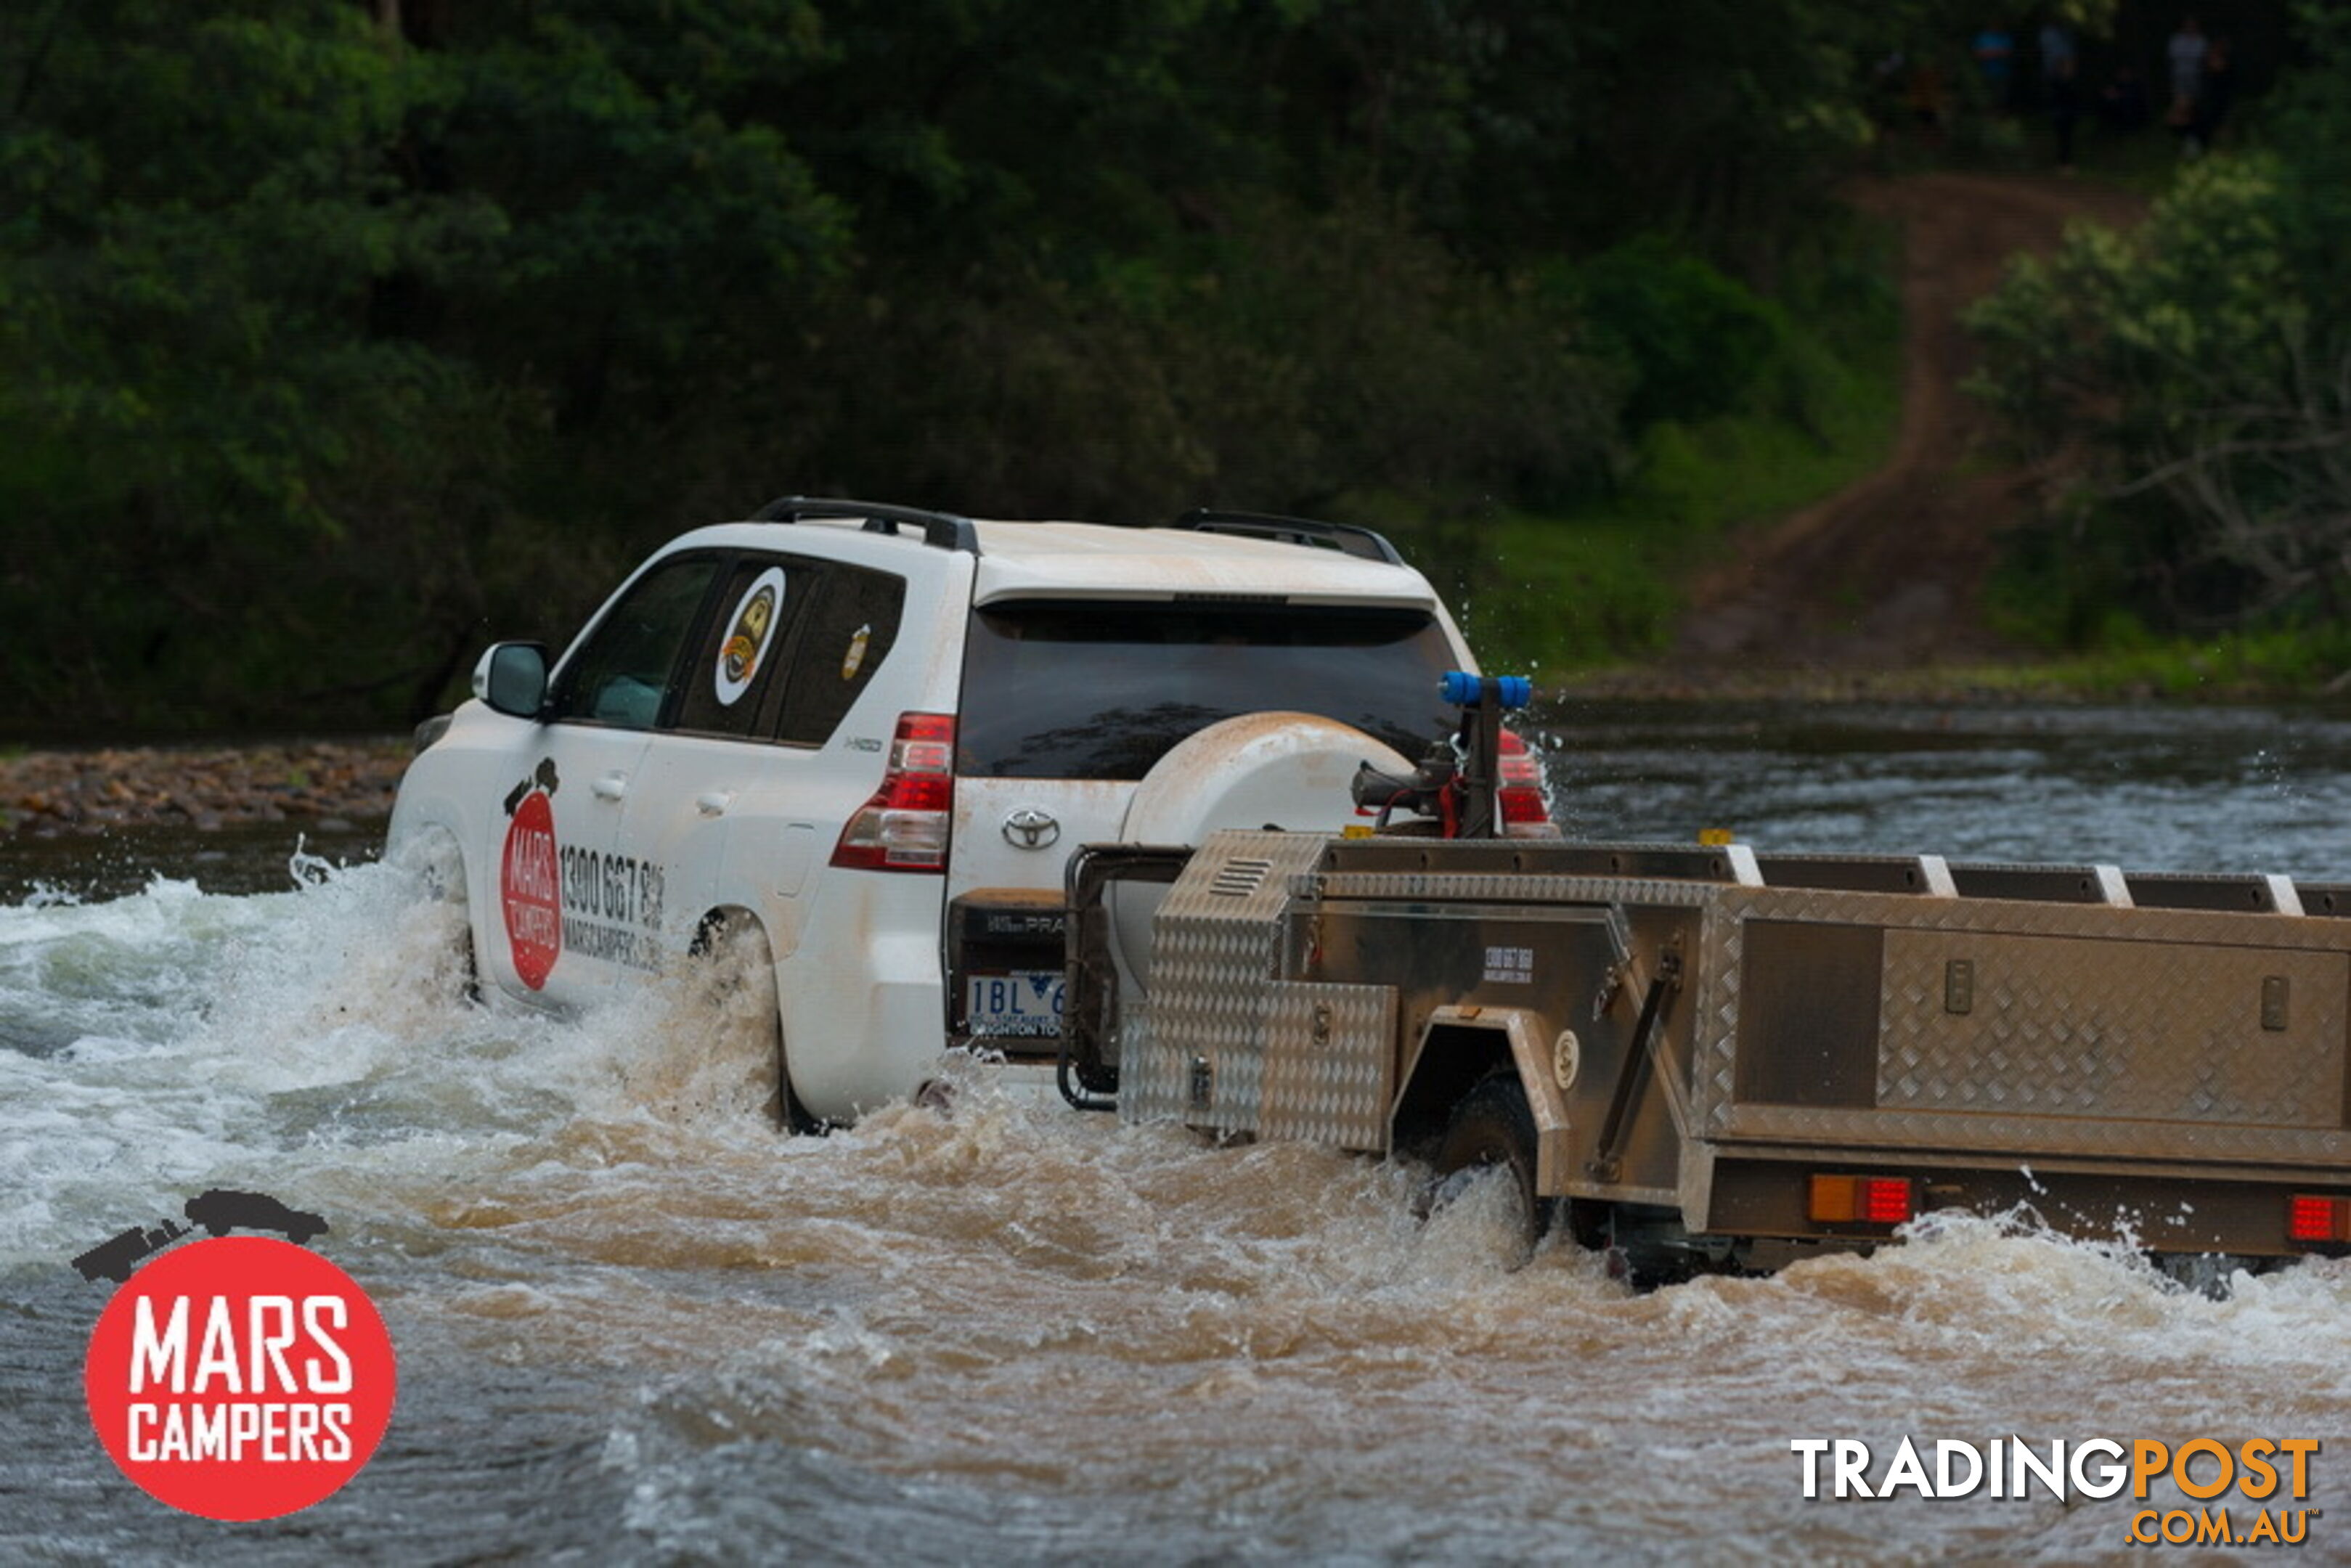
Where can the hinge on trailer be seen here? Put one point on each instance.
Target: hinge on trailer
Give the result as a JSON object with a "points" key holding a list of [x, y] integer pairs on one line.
{"points": [[1611, 982], [1617, 975]]}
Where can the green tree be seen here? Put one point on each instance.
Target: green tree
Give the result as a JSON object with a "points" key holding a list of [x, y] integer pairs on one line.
{"points": [[296, 322], [200, 204]]}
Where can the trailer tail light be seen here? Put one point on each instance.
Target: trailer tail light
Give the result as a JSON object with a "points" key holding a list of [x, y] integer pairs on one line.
{"points": [[904, 826], [2312, 1217], [1861, 1200], [1524, 814]]}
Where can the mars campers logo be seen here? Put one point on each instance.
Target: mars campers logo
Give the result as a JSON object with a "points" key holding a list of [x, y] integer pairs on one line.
{"points": [[237, 1378], [529, 884], [2253, 1492]]}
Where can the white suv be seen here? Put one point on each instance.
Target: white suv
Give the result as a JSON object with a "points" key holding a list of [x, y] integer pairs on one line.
{"points": [[872, 735]]}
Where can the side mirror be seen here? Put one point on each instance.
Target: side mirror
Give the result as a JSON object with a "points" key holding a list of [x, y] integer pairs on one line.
{"points": [[512, 678]]}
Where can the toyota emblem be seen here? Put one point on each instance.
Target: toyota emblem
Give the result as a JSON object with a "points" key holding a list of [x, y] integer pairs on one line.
{"points": [[1030, 828]]}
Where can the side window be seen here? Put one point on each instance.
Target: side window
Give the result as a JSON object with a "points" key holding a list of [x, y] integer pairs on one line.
{"points": [[624, 671], [847, 628], [737, 670]]}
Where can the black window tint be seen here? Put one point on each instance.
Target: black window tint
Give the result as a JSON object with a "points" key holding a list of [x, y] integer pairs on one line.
{"points": [[1103, 690], [848, 626], [731, 683], [624, 673]]}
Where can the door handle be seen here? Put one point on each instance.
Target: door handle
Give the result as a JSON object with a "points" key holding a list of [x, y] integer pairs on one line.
{"points": [[611, 787], [715, 803]]}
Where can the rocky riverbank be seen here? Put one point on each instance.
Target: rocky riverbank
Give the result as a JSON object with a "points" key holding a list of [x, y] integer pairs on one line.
{"points": [[334, 783]]}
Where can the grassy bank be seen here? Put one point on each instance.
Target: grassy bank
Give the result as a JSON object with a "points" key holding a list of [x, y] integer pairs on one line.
{"points": [[2288, 663], [2281, 666], [1601, 586]]}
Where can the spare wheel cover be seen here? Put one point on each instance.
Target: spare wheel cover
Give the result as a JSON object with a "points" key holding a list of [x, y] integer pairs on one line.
{"points": [[1286, 770]]}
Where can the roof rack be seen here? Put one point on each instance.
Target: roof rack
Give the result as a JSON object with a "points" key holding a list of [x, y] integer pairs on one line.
{"points": [[944, 529], [1345, 537]]}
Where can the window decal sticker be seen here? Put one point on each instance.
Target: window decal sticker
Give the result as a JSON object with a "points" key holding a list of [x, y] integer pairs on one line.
{"points": [[756, 615], [854, 660]]}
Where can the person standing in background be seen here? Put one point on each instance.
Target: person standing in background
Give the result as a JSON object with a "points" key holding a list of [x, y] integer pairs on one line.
{"points": [[2064, 98], [2186, 54], [2060, 92], [1995, 54], [2214, 92], [2058, 60]]}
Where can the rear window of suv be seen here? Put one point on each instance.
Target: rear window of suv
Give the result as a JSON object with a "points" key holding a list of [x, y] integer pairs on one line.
{"points": [[1103, 689]]}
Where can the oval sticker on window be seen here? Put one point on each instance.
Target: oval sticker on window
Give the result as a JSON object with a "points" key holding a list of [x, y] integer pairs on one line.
{"points": [[854, 660], [756, 615]]}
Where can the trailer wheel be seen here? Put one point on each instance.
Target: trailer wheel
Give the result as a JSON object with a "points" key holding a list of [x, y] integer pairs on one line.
{"points": [[1492, 1125]]}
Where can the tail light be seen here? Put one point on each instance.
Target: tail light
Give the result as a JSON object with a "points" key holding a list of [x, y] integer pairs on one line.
{"points": [[1864, 1200], [2312, 1217], [1524, 813], [904, 826]]}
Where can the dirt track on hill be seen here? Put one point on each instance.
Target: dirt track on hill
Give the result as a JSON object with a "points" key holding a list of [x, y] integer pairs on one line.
{"points": [[1889, 573]]}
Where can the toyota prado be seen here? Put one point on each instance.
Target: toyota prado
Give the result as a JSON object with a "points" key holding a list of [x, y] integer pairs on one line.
{"points": [[872, 735]]}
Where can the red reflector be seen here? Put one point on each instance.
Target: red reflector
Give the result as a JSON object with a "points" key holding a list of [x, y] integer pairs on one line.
{"points": [[1885, 1200], [2311, 1218], [904, 826]]}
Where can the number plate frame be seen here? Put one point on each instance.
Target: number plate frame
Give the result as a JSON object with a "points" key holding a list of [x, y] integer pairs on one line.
{"points": [[1012, 1006]]}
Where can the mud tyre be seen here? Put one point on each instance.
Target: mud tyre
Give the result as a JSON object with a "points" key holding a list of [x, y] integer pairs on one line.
{"points": [[1492, 1125]]}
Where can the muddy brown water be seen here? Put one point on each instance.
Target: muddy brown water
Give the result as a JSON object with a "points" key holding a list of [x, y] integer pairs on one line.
{"points": [[636, 1325]]}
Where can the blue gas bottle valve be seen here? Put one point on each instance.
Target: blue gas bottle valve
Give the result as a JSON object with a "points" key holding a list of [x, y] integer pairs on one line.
{"points": [[1459, 688]]}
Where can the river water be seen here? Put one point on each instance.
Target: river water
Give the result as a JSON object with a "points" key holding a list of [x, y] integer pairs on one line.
{"points": [[637, 1325]]}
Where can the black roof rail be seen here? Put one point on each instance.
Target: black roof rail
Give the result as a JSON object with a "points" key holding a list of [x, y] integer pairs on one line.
{"points": [[944, 529], [1347, 537]]}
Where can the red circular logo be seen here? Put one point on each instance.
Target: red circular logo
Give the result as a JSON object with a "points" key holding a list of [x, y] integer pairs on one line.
{"points": [[240, 1378], [530, 891]]}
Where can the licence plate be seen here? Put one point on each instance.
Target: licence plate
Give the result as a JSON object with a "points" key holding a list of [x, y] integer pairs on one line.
{"points": [[1026, 1003]]}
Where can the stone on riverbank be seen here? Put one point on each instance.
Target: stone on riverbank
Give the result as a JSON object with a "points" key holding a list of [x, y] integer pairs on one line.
{"points": [[206, 787]]}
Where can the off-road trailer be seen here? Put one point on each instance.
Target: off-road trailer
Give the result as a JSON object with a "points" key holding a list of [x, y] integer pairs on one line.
{"points": [[1705, 1056]]}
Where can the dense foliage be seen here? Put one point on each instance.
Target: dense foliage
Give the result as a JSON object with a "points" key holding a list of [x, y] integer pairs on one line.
{"points": [[2189, 387], [337, 337]]}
